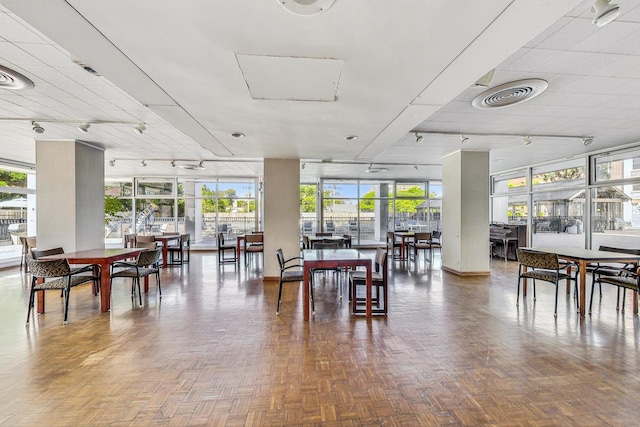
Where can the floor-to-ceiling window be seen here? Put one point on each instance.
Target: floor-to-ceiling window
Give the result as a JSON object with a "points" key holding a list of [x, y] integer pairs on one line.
{"points": [[17, 211]]}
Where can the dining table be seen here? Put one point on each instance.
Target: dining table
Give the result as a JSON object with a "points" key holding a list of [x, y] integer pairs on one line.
{"points": [[104, 258], [584, 257], [334, 258], [129, 241], [340, 240], [239, 240]]}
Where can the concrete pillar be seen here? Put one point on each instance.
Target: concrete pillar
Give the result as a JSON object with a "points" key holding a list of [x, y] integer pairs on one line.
{"points": [[70, 192], [465, 213], [281, 212]]}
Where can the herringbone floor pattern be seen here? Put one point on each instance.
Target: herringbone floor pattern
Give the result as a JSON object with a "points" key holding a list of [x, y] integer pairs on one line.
{"points": [[453, 351]]}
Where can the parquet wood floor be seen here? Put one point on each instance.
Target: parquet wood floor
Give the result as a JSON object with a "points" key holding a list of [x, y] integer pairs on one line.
{"points": [[453, 351]]}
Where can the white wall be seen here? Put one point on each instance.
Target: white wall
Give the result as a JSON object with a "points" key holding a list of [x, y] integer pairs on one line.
{"points": [[281, 212]]}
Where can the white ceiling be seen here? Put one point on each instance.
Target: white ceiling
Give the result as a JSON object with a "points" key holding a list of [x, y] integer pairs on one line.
{"points": [[296, 86]]}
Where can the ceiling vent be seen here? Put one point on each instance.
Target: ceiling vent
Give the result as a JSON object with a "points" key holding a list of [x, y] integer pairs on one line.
{"points": [[509, 94], [306, 7], [10, 79]]}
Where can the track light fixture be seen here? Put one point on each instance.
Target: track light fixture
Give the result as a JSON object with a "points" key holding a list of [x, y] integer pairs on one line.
{"points": [[587, 141], [415, 166], [464, 139], [303, 165], [112, 162], [37, 128], [201, 164], [144, 164], [84, 128], [419, 138], [140, 128], [604, 12], [527, 141], [173, 163]]}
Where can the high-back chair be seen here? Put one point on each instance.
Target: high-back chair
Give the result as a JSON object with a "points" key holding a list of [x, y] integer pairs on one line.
{"points": [[146, 264], [379, 281], [421, 242], [393, 244], [543, 266], [28, 243]]}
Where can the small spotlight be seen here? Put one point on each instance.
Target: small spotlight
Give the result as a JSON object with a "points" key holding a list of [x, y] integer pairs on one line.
{"points": [[303, 165], [587, 141], [173, 163], [527, 141], [84, 128], [604, 12], [201, 164], [112, 162], [140, 128], [37, 128], [351, 137], [144, 164], [415, 167], [370, 165], [464, 139], [237, 135], [418, 138]]}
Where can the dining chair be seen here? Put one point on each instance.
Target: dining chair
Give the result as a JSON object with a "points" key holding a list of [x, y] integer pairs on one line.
{"points": [[379, 281], [54, 274], [393, 244], [336, 270], [347, 240], [324, 234], [180, 252], [625, 279], [146, 264], [93, 270], [290, 273], [223, 247], [253, 245], [145, 239], [541, 266], [421, 242], [28, 243]]}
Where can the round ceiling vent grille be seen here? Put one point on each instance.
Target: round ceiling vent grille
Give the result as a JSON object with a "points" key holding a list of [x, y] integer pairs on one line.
{"points": [[306, 7], [10, 79], [509, 94]]}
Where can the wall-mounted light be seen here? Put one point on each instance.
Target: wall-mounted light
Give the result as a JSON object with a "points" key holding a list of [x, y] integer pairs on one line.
{"points": [[140, 128], [84, 128]]}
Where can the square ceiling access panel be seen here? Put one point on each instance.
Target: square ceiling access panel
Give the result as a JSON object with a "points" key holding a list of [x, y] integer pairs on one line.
{"points": [[290, 78]]}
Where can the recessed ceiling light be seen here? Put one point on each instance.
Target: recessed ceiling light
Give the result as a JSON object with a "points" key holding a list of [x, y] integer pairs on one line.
{"points": [[377, 170], [351, 137], [237, 135], [193, 167], [508, 94], [587, 141]]}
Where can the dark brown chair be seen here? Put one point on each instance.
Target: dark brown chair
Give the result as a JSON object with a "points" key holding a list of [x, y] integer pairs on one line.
{"points": [[421, 242], [180, 252], [379, 281], [223, 248], [324, 234], [145, 239], [392, 245], [253, 245]]}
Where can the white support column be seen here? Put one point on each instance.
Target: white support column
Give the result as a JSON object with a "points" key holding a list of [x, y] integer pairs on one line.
{"points": [[281, 212], [465, 213], [70, 192]]}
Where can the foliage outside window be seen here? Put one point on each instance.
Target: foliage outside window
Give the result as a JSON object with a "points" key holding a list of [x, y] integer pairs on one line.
{"points": [[12, 180]]}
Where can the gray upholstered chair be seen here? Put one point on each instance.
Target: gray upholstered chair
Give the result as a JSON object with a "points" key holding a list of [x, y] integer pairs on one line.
{"points": [[55, 274], [147, 263]]}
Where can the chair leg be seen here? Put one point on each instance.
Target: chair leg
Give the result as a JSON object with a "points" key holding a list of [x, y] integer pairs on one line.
{"points": [[158, 282], [313, 303], [593, 285], [279, 297], [66, 305], [31, 298], [555, 310]]}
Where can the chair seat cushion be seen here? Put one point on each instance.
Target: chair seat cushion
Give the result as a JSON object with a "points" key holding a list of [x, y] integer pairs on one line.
{"points": [[131, 272], [549, 276], [622, 281], [61, 283], [292, 276], [362, 276]]}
